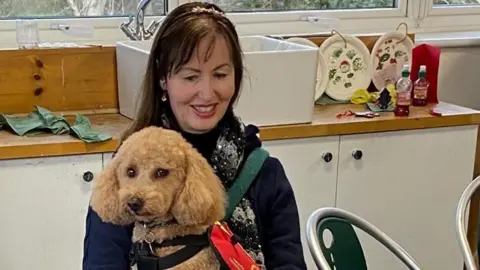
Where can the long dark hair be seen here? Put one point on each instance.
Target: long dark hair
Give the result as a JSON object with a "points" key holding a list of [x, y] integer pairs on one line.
{"points": [[173, 46]]}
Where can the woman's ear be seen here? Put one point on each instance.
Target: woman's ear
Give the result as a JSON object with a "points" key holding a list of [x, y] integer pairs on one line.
{"points": [[163, 85], [202, 200], [105, 200]]}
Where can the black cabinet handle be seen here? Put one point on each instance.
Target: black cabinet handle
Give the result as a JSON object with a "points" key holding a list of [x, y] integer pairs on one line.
{"points": [[327, 157], [87, 176], [357, 154]]}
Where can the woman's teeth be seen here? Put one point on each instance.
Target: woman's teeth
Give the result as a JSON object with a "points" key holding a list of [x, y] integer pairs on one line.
{"points": [[204, 109]]}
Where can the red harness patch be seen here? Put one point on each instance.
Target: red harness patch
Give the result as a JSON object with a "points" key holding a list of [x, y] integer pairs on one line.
{"points": [[228, 249]]}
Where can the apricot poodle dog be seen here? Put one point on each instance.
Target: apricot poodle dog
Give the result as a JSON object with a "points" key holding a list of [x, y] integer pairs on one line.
{"points": [[157, 177]]}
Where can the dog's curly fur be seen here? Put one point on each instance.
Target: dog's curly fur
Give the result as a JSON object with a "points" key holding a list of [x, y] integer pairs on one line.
{"points": [[172, 179]]}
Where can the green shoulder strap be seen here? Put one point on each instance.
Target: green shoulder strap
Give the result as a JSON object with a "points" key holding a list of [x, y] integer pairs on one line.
{"points": [[249, 172]]}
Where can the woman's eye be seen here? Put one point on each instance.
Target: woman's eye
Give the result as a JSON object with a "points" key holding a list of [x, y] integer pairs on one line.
{"points": [[220, 75], [159, 173], [131, 173], [190, 78]]}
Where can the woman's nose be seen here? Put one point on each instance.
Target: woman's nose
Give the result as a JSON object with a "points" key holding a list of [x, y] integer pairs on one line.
{"points": [[206, 91]]}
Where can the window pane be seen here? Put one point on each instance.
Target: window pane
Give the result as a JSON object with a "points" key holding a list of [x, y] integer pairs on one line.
{"points": [[456, 2], [10, 9], [285, 5]]}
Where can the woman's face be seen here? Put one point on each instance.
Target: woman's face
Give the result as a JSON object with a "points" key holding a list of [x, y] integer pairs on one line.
{"points": [[199, 94]]}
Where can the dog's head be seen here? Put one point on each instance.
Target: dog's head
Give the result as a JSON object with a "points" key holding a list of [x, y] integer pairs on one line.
{"points": [[157, 175]]}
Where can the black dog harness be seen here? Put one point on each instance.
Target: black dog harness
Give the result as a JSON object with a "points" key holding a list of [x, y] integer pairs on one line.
{"points": [[142, 253]]}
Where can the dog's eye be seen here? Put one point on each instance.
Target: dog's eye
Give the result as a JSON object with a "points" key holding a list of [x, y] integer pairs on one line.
{"points": [[161, 173], [131, 172]]}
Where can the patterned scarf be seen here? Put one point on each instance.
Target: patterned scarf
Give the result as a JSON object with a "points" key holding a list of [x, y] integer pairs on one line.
{"points": [[226, 159]]}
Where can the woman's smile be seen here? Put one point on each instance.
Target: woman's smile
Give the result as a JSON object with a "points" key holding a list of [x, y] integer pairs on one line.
{"points": [[205, 111]]}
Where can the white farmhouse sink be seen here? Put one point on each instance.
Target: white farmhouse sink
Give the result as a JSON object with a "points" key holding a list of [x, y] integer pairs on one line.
{"points": [[278, 86]]}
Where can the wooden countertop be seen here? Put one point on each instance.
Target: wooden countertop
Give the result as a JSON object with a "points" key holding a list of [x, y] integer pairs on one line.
{"points": [[325, 123]]}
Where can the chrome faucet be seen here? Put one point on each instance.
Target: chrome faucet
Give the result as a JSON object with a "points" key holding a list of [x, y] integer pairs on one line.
{"points": [[139, 32]]}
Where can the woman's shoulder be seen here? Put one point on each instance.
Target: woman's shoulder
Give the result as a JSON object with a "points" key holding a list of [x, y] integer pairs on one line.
{"points": [[271, 170]]}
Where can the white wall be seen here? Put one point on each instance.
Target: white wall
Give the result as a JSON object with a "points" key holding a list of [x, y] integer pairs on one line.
{"points": [[459, 76]]}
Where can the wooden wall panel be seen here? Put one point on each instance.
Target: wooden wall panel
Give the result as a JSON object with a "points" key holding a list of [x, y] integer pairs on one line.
{"points": [[67, 79]]}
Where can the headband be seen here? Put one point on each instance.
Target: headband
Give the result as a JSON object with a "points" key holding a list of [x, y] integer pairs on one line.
{"points": [[207, 10]]}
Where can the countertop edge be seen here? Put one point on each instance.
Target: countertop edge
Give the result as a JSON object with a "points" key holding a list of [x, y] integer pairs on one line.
{"points": [[337, 129], [266, 134]]}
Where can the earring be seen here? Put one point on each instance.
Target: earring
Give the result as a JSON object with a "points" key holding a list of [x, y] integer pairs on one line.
{"points": [[164, 96]]}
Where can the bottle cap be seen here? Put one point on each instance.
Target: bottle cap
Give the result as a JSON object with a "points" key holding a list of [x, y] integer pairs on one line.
{"points": [[423, 71], [405, 71]]}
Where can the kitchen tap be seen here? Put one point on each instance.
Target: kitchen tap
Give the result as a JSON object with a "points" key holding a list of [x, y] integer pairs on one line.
{"points": [[139, 32]]}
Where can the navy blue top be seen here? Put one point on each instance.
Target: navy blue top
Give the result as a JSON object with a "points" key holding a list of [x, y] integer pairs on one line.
{"points": [[107, 246]]}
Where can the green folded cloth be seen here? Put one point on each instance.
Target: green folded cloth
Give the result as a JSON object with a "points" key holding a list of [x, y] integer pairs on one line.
{"points": [[326, 100], [43, 121], [374, 107], [83, 130]]}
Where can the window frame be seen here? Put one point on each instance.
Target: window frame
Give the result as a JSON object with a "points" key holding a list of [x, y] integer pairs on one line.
{"points": [[281, 17], [420, 15], [447, 10], [430, 19]]}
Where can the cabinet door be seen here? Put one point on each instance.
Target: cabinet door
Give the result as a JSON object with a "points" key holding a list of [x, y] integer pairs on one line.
{"points": [[312, 178], [43, 204], [408, 184], [107, 157]]}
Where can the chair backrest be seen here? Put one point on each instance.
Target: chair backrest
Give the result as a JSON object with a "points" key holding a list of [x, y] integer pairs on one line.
{"points": [[345, 251], [313, 238], [460, 223]]}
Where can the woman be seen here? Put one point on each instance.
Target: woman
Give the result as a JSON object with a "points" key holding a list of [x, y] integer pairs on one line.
{"points": [[191, 84]]}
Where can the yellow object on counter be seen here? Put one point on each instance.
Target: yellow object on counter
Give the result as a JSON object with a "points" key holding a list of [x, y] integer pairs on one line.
{"points": [[362, 96]]}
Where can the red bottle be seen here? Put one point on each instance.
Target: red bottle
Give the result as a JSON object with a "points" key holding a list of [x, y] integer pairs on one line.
{"points": [[404, 93], [420, 88]]}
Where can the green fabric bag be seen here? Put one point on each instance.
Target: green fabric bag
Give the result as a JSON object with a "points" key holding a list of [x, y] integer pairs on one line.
{"points": [[249, 172]]}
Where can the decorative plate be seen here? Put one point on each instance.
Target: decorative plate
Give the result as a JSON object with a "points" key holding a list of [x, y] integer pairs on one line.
{"points": [[322, 70], [390, 53], [348, 65]]}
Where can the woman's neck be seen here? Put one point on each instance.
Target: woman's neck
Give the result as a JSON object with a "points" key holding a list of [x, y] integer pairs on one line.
{"points": [[205, 143]]}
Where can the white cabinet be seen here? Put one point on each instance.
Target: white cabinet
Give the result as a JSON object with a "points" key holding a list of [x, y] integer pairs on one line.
{"points": [[313, 179], [43, 203], [408, 184]]}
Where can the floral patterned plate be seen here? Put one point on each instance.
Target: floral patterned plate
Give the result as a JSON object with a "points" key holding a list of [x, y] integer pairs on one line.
{"points": [[348, 64], [390, 53]]}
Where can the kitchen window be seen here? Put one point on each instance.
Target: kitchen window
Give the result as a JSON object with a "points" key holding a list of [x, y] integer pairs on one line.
{"points": [[286, 17]]}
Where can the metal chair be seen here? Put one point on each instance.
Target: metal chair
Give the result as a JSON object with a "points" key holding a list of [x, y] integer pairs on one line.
{"points": [[467, 253], [346, 251]]}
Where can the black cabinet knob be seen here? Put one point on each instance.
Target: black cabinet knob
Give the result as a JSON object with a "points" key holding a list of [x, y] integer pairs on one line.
{"points": [[327, 157], [87, 176], [357, 154]]}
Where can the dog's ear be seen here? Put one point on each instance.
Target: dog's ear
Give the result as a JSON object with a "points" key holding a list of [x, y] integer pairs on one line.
{"points": [[202, 200], [105, 200]]}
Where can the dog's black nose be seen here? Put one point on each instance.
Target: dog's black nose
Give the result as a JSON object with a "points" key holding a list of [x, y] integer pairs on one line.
{"points": [[135, 204]]}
